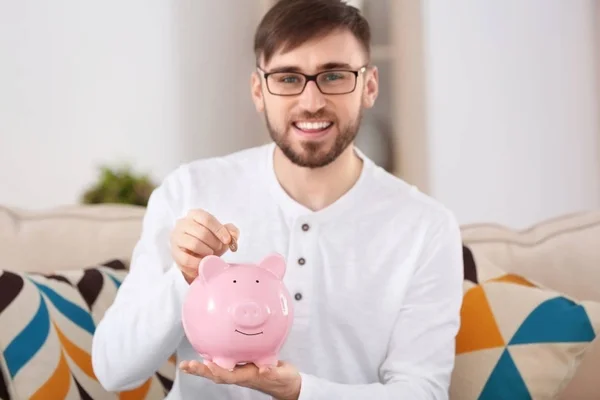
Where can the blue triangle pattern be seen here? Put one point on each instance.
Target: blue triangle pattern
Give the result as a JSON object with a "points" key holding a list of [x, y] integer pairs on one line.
{"points": [[557, 320], [505, 382]]}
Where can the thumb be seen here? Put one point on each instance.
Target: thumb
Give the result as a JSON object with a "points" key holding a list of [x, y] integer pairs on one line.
{"points": [[235, 234], [233, 230]]}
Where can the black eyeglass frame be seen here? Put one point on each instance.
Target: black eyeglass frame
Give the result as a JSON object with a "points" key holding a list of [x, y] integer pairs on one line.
{"points": [[313, 78]]}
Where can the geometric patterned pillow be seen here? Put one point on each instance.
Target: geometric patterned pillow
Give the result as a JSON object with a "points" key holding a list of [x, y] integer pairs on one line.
{"points": [[477, 269], [3, 386], [518, 340], [48, 321]]}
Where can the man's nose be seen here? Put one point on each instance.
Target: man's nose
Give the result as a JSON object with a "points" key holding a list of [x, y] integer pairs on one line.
{"points": [[312, 99]]}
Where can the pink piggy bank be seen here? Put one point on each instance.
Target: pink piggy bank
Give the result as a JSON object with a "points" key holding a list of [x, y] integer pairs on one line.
{"points": [[238, 313]]}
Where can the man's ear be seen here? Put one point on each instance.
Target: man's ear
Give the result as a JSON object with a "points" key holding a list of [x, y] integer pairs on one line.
{"points": [[371, 88], [256, 90]]}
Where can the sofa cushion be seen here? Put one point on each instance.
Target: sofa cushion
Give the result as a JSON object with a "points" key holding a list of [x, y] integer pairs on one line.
{"points": [[48, 322], [517, 339], [477, 269], [67, 237], [561, 253]]}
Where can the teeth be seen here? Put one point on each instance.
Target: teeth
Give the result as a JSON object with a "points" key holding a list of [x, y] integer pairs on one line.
{"points": [[312, 125]]}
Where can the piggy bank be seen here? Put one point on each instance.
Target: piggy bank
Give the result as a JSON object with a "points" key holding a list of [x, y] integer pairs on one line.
{"points": [[238, 313]]}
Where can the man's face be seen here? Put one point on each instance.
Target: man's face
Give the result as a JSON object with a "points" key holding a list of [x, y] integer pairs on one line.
{"points": [[312, 128]]}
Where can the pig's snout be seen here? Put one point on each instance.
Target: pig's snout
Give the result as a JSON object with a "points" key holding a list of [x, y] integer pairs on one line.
{"points": [[249, 315]]}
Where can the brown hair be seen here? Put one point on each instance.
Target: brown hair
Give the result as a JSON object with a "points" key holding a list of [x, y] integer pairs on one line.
{"points": [[290, 23]]}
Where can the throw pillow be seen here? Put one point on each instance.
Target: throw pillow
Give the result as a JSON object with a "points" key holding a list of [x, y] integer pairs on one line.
{"points": [[48, 321], [477, 269], [518, 340], [3, 385]]}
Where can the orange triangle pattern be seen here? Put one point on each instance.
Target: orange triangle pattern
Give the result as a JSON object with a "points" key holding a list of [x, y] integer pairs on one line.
{"points": [[478, 328], [511, 278]]}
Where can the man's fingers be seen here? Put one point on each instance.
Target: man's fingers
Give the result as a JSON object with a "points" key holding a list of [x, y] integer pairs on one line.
{"points": [[196, 368], [197, 235], [196, 246], [239, 375], [235, 234], [209, 221], [187, 261], [210, 371], [233, 230], [202, 233], [233, 246]]}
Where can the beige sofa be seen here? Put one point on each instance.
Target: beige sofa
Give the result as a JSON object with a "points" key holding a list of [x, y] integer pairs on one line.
{"points": [[562, 253]]}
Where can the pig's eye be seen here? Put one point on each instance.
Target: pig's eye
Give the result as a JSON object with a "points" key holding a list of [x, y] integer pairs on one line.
{"points": [[257, 281], [234, 281]]}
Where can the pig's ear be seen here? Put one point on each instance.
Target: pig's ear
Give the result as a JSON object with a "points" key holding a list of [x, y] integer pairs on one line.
{"points": [[211, 266], [274, 263]]}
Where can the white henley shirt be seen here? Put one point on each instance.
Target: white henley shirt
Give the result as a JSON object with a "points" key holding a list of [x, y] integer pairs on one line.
{"points": [[376, 280]]}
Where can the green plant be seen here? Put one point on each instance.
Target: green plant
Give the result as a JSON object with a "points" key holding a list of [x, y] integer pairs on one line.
{"points": [[119, 185]]}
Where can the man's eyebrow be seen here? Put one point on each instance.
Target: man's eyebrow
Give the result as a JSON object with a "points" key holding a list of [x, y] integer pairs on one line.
{"points": [[322, 67], [285, 68], [334, 65]]}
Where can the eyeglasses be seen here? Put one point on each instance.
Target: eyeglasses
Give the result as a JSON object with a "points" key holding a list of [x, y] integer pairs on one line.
{"points": [[329, 82]]}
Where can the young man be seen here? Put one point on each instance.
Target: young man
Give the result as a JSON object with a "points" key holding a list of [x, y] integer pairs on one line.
{"points": [[373, 265]]}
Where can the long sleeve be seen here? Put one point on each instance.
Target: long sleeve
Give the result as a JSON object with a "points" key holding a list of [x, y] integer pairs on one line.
{"points": [[421, 352], [142, 328]]}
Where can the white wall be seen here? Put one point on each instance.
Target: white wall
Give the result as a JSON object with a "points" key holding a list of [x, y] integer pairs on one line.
{"points": [[513, 112], [214, 47], [512, 108], [83, 83]]}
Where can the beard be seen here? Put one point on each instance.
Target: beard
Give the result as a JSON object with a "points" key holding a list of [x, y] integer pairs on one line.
{"points": [[314, 154]]}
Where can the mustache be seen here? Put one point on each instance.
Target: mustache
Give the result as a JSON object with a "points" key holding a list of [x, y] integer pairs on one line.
{"points": [[321, 114]]}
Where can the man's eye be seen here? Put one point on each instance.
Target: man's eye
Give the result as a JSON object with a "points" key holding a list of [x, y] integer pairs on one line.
{"points": [[289, 79], [334, 76]]}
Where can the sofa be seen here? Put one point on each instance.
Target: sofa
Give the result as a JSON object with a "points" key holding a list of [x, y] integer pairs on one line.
{"points": [[70, 260]]}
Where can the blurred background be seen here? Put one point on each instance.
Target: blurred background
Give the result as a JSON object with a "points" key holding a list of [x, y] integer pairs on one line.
{"points": [[492, 107]]}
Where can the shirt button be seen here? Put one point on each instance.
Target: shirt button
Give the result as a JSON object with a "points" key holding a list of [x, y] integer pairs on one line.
{"points": [[301, 261], [305, 227], [298, 296]]}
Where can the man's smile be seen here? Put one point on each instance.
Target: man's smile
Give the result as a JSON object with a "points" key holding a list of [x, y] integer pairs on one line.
{"points": [[312, 129]]}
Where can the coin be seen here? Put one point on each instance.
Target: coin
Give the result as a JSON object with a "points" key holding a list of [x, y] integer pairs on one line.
{"points": [[233, 244]]}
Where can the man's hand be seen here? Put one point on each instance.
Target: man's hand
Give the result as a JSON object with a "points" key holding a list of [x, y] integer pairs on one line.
{"points": [[197, 235], [281, 382]]}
